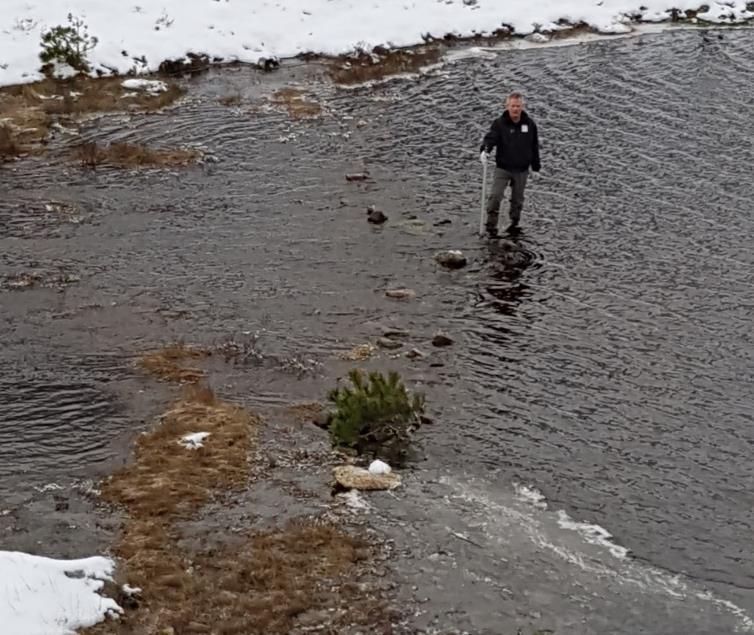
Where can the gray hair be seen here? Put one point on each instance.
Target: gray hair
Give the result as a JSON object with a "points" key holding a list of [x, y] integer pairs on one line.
{"points": [[514, 95]]}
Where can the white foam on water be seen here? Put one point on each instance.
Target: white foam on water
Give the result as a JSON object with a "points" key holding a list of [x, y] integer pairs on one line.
{"points": [[593, 534], [529, 513], [530, 495]]}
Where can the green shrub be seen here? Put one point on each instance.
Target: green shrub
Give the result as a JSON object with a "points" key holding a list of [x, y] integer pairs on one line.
{"points": [[375, 416], [67, 45]]}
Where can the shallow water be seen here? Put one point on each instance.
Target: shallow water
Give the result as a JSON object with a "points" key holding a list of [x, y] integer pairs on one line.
{"points": [[612, 374]]}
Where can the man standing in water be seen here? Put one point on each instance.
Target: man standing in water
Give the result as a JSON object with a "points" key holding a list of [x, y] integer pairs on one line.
{"points": [[514, 134]]}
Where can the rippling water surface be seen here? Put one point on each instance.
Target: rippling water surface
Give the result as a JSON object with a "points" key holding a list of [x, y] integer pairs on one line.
{"points": [[613, 374]]}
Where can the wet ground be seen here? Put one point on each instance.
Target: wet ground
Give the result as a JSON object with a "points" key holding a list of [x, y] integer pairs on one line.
{"points": [[604, 386]]}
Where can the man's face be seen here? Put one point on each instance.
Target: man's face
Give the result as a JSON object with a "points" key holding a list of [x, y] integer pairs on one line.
{"points": [[514, 108]]}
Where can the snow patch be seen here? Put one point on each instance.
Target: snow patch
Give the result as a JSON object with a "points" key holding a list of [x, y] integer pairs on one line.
{"points": [[193, 441], [379, 467], [138, 38], [42, 596], [149, 85]]}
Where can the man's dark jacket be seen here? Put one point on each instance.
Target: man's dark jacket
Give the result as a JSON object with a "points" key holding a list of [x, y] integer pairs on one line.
{"points": [[517, 143]]}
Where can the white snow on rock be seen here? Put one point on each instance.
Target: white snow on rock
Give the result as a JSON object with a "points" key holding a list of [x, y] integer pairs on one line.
{"points": [[194, 440], [42, 596], [130, 34], [379, 467]]}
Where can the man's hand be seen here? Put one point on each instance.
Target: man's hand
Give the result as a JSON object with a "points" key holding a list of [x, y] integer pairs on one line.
{"points": [[484, 156]]}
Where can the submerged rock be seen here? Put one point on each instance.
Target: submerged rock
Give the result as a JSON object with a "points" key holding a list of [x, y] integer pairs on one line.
{"points": [[440, 339], [452, 259], [352, 477], [414, 353]]}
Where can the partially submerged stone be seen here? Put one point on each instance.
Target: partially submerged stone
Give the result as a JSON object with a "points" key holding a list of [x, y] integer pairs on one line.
{"points": [[352, 477], [375, 216], [440, 339], [388, 343], [452, 259], [401, 294]]}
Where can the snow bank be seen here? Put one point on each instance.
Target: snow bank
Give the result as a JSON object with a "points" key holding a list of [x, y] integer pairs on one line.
{"points": [[248, 30], [41, 596]]}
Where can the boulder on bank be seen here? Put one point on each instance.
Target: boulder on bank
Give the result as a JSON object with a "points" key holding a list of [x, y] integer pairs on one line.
{"points": [[352, 477]]}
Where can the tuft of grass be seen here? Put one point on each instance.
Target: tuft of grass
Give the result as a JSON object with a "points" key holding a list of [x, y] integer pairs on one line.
{"points": [[130, 155], [230, 100], [28, 110], [8, 145], [296, 103], [167, 364], [375, 415], [168, 480], [365, 66]]}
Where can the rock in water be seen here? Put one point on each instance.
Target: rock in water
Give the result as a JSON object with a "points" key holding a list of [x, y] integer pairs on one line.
{"points": [[440, 339], [400, 294], [452, 259], [386, 342], [375, 216], [352, 477]]}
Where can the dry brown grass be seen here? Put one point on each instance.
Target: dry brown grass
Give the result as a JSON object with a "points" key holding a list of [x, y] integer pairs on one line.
{"points": [[258, 588], [305, 412], [262, 586], [296, 103], [381, 63], [230, 100], [359, 353], [129, 155], [28, 110], [8, 145], [167, 364], [80, 95], [168, 480]]}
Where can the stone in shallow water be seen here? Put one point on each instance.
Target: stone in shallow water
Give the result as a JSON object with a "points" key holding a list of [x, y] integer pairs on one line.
{"points": [[386, 342], [375, 216], [452, 259], [440, 339], [401, 294]]}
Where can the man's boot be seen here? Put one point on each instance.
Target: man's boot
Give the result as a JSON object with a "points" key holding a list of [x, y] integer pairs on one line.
{"points": [[515, 216], [492, 224]]}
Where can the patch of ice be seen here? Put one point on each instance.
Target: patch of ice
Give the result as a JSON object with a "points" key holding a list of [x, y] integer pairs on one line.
{"points": [[194, 440], [150, 85], [379, 467], [42, 596], [130, 590]]}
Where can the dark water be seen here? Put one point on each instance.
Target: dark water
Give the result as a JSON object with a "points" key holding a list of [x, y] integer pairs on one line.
{"points": [[613, 374]]}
